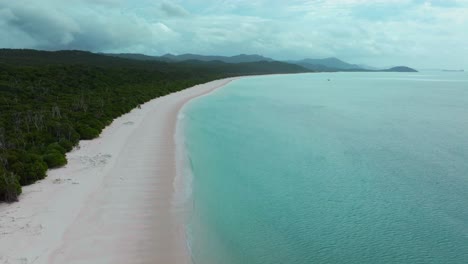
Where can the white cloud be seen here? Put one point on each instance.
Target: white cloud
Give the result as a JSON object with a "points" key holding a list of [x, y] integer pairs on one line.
{"points": [[362, 31]]}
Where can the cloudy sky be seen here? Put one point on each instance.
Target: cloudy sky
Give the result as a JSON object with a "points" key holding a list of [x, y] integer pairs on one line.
{"points": [[417, 33]]}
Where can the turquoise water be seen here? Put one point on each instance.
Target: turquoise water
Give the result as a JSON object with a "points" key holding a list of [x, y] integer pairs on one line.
{"points": [[364, 168]]}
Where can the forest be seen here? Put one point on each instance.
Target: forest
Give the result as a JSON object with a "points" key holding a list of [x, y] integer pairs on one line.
{"points": [[51, 100]]}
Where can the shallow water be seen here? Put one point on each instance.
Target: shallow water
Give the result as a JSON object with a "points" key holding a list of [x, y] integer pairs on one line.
{"points": [[330, 168]]}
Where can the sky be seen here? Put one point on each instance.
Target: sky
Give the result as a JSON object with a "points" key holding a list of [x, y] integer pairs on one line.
{"points": [[416, 33]]}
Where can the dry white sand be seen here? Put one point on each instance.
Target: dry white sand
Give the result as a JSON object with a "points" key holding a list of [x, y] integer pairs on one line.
{"points": [[112, 202]]}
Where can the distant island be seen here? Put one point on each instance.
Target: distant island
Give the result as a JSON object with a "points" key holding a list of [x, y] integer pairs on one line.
{"points": [[453, 70], [442, 70], [316, 65], [400, 69], [337, 65]]}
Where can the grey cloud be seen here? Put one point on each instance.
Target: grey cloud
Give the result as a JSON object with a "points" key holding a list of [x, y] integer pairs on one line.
{"points": [[112, 3], [97, 29], [45, 27], [173, 10]]}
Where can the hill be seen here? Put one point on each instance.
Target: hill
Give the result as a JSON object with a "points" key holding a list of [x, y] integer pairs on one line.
{"points": [[400, 69], [51, 100], [327, 64], [336, 65], [233, 59], [318, 65], [242, 58], [136, 56]]}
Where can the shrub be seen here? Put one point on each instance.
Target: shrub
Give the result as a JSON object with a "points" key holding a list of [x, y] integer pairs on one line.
{"points": [[94, 123], [56, 147], [29, 171], [55, 159], [87, 132], [10, 187], [74, 137], [67, 145]]}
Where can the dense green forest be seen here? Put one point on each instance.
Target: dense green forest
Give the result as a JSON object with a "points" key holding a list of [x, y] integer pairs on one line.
{"points": [[51, 100]]}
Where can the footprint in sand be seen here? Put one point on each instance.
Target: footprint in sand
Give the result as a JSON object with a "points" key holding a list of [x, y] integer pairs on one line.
{"points": [[11, 225], [60, 181], [95, 161]]}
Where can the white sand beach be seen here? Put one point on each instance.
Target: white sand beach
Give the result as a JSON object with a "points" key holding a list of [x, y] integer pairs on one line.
{"points": [[112, 202]]}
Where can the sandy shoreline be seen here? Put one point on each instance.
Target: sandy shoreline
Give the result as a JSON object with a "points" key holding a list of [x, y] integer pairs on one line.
{"points": [[112, 203]]}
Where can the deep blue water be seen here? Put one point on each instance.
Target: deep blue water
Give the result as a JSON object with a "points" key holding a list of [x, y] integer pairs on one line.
{"points": [[360, 168]]}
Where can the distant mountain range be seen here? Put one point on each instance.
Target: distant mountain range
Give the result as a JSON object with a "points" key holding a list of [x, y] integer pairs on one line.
{"points": [[319, 65], [242, 58], [327, 64], [334, 65], [234, 59]]}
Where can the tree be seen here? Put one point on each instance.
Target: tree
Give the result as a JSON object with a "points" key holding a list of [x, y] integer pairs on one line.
{"points": [[10, 187]]}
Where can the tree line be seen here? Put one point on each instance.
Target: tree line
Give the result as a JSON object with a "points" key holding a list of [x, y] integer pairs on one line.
{"points": [[51, 100]]}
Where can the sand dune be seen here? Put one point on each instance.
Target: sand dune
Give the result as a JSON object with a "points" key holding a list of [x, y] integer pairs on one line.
{"points": [[112, 203]]}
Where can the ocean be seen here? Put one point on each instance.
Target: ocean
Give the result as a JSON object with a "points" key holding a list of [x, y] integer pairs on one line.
{"points": [[329, 168]]}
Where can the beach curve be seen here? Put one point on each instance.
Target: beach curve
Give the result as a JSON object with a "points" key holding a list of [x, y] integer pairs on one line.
{"points": [[112, 202]]}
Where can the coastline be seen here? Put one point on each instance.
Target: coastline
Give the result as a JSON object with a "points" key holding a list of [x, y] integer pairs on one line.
{"points": [[113, 202]]}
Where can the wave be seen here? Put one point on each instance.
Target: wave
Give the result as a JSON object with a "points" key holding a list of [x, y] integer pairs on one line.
{"points": [[182, 197]]}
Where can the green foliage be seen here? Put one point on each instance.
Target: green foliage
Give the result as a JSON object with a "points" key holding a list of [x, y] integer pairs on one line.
{"points": [[10, 187], [87, 132], [29, 171], [55, 159], [56, 147], [51, 100], [65, 144]]}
